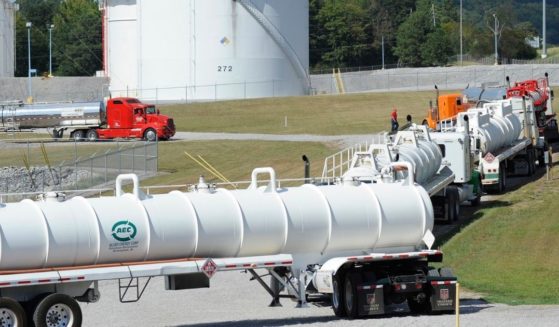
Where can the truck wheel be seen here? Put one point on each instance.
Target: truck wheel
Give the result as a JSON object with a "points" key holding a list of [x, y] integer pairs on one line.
{"points": [[11, 313], [419, 308], [92, 135], [58, 310], [350, 297], [452, 204], [502, 180], [78, 135], [446, 272], [337, 296], [150, 135]]}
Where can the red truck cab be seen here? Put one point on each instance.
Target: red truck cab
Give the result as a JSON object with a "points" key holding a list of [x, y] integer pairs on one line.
{"points": [[130, 118]]}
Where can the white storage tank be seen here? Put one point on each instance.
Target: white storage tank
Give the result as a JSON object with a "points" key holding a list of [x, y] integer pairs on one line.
{"points": [[7, 37], [206, 50]]}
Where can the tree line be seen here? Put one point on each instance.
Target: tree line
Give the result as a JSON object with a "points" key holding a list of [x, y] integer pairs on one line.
{"points": [[342, 33], [349, 33], [76, 37]]}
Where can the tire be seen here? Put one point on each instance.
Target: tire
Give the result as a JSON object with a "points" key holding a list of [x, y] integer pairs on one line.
{"points": [[92, 135], [11, 313], [58, 310], [446, 272], [477, 200], [350, 297], [419, 308], [502, 180], [452, 204], [78, 135], [150, 135], [338, 296]]}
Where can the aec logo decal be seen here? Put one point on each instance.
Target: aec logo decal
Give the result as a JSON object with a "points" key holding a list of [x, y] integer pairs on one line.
{"points": [[124, 231]]}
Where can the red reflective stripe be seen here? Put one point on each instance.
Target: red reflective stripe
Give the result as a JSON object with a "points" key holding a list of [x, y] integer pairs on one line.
{"points": [[247, 265], [230, 266], [269, 263], [368, 258], [64, 279], [24, 282], [387, 257], [404, 255], [352, 258], [287, 262], [81, 278], [43, 281], [5, 284]]}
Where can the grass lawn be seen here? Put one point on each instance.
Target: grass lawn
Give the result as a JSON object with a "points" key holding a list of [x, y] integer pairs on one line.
{"points": [[511, 252], [236, 160], [325, 114]]}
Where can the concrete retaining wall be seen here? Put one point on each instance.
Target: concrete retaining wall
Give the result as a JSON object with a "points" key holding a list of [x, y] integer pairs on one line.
{"points": [[414, 79], [54, 89]]}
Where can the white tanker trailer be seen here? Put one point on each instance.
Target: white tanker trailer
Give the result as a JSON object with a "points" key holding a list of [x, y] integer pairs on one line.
{"points": [[505, 140], [366, 245], [475, 150]]}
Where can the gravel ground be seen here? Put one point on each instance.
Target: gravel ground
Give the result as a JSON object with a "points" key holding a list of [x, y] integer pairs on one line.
{"points": [[233, 300]]}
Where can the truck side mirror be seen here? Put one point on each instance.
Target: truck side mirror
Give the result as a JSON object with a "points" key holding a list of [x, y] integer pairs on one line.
{"points": [[158, 111]]}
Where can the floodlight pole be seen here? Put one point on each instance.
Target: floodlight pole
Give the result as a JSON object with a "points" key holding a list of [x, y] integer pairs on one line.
{"points": [[544, 49], [29, 90]]}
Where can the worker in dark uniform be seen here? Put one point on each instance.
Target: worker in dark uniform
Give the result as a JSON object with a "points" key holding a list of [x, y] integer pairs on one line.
{"points": [[394, 119]]}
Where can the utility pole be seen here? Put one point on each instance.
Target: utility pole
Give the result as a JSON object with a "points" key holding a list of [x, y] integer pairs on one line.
{"points": [[497, 32], [433, 11], [461, 35], [382, 51], [544, 49], [50, 27]]}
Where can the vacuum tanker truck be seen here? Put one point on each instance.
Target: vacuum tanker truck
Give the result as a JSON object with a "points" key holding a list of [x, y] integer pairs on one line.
{"points": [[119, 118], [364, 245], [473, 151]]}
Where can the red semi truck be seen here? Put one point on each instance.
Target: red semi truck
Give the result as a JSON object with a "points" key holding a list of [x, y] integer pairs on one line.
{"points": [[119, 118]]}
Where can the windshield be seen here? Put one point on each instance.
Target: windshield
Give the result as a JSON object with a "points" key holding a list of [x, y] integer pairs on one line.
{"points": [[151, 110]]}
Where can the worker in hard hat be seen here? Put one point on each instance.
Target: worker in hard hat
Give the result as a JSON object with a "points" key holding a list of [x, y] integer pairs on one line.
{"points": [[394, 119]]}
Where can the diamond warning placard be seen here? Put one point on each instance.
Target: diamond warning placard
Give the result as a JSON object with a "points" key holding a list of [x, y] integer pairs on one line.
{"points": [[209, 268], [489, 157]]}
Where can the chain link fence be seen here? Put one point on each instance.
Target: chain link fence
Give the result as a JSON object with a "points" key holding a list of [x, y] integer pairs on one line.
{"points": [[39, 166]]}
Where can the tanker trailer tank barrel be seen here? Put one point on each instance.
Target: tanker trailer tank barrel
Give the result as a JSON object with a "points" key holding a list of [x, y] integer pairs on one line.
{"points": [[314, 222], [55, 115]]}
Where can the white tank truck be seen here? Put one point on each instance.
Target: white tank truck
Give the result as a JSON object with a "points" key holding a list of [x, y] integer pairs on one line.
{"points": [[505, 140], [442, 164], [353, 241], [453, 165]]}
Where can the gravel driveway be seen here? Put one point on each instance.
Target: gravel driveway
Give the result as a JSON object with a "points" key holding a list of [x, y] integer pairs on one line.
{"points": [[233, 300]]}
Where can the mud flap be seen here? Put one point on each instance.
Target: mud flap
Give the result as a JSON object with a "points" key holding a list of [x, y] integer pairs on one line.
{"points": [[370, 299], [443, 295]]}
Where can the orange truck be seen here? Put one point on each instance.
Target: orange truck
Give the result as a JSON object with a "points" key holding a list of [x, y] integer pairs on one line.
{"points": [[446, 108]]}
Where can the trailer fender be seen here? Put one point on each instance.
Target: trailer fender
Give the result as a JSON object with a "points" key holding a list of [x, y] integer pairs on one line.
{"points": [[323, 279]]}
